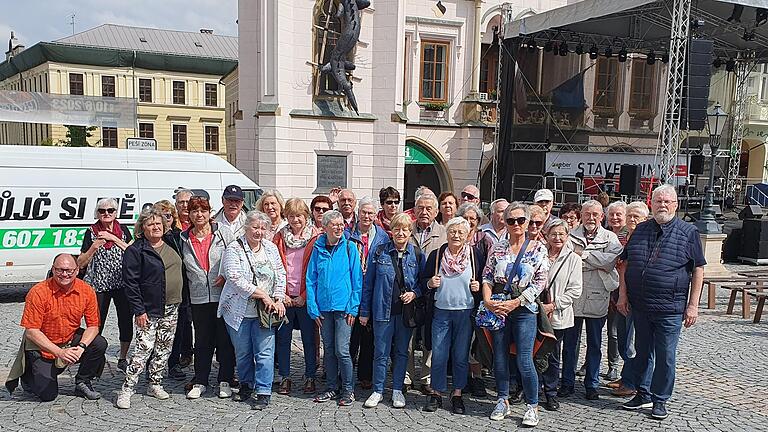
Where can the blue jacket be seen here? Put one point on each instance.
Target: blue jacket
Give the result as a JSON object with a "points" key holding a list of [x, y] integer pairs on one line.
{"points": [[379, 281], [334, 279], [380, 238], [660, 260]]}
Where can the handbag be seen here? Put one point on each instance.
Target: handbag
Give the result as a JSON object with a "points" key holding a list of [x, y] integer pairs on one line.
{"points": [[415, 312], [266, 319], [487, 319]]}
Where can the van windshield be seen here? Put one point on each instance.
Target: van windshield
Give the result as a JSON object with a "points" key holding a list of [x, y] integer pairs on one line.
{"points": [[250, 198]]}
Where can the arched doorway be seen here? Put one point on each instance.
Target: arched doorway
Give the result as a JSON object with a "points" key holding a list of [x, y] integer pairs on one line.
{"points": [[422, 168]]}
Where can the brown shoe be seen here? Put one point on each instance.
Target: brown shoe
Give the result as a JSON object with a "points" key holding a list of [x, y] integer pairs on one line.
{"points": [[614, 384], [309, 386], [427, 390], [623, 392], [285, 387]]}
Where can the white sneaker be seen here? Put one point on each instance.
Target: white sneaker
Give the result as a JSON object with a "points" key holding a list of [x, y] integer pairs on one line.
{"points": [[531, 416], [501, 410], [398, 399], [373, 400], [225, 391], [196, 392], [124, 399], [157, 391]]}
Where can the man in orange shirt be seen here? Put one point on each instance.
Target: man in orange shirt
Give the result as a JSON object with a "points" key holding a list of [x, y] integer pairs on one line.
{"points": [[54, 339]]}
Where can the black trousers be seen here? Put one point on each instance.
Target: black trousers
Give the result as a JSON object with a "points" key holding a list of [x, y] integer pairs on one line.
{"points": [[124, 315], [182, 341], [41, 374], [362, 341], [211, 335]]}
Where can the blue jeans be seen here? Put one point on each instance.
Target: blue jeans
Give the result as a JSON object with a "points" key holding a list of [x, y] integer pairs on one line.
{"points": [[255, 355], [520, 328], [451, 337], [388, 335], [626, 337], [298, 319], [336, 334], [658, 334], [594, 351]]}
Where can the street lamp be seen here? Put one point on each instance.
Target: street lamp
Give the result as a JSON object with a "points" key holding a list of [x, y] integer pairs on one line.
{"points": [[715, 124]]}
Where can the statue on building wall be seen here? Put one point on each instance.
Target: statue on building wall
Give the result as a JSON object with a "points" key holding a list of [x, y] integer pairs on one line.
{"points": [[338, 65]]}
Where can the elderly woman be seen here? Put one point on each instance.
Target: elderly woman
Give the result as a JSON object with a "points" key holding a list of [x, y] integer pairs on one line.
{"points": [[294, 242], [203, 246], [447, 205], [255, 285], [563, 287], [170, 214], [520, 284], [453, 272], [152, 280], [319, 206], [637, 212], [102, 256], [473, 214], [370, 236], [536, 223], [617, 223], [334, 284], [571, 213], [271, 203], [391, 282], [389, 198]]}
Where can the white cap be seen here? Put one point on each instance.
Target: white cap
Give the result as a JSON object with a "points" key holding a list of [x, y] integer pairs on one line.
{"points": [[543, 195]]}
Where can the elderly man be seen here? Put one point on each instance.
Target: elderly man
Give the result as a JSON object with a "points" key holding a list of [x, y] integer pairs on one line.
{"points": [[497, 227], [428, 235], [663, 257], [599, 249], [470, 193], [346, 205], [182, 202], [231, 215], [421, 190], [370, 236], [545, 199], [53, 338]]}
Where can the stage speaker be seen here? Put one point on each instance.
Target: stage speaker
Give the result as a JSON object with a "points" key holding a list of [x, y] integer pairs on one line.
{"points": [[751, 212], [732, 246], [629, 180], [697, 165], [696, 84]]}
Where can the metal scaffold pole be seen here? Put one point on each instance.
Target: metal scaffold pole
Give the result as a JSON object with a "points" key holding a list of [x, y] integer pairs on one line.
{"points": [[739, 107], [669, 144]]}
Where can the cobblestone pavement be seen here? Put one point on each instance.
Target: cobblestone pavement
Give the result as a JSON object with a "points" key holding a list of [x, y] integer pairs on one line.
{"points": [[721, 386]]}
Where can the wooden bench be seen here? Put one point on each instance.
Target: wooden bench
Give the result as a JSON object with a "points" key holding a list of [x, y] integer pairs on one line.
{"points": [[744, 289], [760, 297], [713, 282]]}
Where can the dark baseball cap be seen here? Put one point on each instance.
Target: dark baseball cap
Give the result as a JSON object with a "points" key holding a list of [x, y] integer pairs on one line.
{"points": [[233, 192]]}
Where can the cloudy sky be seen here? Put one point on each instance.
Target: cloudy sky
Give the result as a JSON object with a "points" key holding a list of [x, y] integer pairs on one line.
{"points": [[47, 20]]}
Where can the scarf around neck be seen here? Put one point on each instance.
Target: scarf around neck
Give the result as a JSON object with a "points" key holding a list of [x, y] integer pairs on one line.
{"points": [[453, 265], [292, 242], [116, 231]]}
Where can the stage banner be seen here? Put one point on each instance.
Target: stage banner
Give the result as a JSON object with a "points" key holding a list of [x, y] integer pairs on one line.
{"points": [[35, 107]]}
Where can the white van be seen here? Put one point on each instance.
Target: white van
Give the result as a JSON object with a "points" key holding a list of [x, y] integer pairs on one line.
{"points": [[48, 196]]}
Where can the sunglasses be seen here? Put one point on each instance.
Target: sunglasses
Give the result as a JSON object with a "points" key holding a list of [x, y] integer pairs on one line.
{"points": [[106, 210], [468, 196], [392, 202], [516, 221], [321, 209], [168, 216], [537, 223]]}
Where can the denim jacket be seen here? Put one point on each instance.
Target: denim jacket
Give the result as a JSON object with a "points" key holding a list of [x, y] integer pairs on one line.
{"points": [[379, 280]]}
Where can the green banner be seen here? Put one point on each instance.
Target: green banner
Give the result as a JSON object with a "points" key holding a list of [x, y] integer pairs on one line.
{"points": [[41, 238], [414, 155]]}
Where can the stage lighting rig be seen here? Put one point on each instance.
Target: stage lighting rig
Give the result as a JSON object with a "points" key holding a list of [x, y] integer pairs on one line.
{"points": [[593, 53]]}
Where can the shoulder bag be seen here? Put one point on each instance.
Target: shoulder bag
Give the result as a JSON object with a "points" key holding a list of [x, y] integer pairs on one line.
{"points": [[266, 319]]}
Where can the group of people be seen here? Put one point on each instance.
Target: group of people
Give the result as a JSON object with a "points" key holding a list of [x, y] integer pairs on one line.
{"points": [[509, 293]]}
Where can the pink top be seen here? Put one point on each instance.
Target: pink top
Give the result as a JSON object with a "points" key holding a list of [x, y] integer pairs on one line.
{"points": [[294, 262]]}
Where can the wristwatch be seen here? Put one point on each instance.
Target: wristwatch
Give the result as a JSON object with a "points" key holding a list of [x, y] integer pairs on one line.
{"points": [[82, 345]]}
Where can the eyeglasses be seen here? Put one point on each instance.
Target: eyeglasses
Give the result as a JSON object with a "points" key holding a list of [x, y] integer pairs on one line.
{"points": [[392, 202], [468, 196], [106, 210], [537, 223], [62, 271], [516, 221], [168, 216], [321, 209]]}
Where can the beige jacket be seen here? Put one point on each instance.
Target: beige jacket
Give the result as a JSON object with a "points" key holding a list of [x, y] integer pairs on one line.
{"points": [[564, 287]]}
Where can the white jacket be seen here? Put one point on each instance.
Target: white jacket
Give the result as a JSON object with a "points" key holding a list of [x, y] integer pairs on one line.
{"points": [[599, 275], [565, 286]]}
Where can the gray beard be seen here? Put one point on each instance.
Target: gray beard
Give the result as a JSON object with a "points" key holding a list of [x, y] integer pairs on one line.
{"points": [[663, 218]]}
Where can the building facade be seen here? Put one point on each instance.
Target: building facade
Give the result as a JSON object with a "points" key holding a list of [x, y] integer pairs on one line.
{"points": [[178, 89]]}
